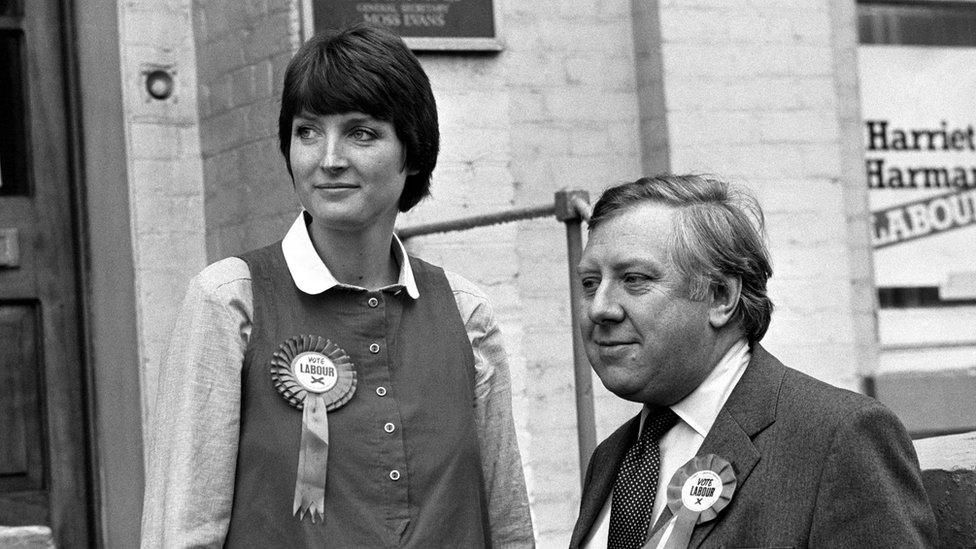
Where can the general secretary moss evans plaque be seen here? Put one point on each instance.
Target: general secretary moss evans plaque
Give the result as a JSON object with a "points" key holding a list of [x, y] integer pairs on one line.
{"points": [[440, 19]]}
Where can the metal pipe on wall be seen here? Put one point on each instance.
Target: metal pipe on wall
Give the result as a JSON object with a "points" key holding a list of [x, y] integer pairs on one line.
{"points": [[570, 207]]}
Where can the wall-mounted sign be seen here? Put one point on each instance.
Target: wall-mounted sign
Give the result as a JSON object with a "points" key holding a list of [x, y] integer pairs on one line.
{"points": [[424, 24], [918, 109], [926, 217], [888, 170]]}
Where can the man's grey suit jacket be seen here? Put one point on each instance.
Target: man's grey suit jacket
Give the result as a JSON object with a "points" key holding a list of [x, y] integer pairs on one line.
{"points": [[816, 466]]}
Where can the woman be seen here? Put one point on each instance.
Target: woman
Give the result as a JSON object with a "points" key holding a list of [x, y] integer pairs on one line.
{"points": [[329, 390]]}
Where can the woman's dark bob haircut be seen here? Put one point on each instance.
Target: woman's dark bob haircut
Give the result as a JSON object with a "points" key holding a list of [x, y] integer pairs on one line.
{"points": [[367, 69]]}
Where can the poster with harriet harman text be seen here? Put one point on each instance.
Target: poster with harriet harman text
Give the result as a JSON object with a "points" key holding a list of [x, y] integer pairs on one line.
{"points": [[918, 109]]}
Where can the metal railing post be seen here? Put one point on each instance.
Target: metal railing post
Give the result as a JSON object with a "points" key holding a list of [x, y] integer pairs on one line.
{"points": [[475, 221], [571, 208]]}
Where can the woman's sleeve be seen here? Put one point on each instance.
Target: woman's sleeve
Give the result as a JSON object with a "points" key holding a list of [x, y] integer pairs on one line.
{"points": [[193, 433], [508, 505]]}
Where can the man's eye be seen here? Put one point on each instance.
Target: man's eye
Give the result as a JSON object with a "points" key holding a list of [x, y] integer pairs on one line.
{"points": [[589, 285], [635, 278]]}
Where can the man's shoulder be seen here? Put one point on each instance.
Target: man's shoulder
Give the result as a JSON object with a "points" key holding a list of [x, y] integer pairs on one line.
{"points": [[811, 401], [842, 452]]}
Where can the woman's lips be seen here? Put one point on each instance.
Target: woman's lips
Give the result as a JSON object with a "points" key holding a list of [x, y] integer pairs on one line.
{"points": [[335, 186]]}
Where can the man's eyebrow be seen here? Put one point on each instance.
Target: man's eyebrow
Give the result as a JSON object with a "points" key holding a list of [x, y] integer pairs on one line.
{"points": [[623, 264], [632, 262]]}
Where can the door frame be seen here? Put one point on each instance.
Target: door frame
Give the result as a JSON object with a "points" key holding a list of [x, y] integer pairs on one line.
{"points": [[105, 265]]}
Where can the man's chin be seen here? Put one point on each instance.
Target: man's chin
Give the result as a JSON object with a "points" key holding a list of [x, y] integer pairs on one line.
{"points": [[633, 397], [620, 387], [627, 390]]}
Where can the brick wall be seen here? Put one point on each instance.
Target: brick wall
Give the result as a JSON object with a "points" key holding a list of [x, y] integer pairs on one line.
{"points": [[584, 95], [576, 125], [863, 310], [556, 109], [766, 95], [510, 136], [242, 51], [165, 177]]}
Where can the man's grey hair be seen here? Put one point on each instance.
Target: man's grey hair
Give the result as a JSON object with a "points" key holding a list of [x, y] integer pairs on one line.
{"points": [[718, 232]]}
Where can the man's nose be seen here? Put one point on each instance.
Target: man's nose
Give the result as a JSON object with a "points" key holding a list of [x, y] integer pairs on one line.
{"points": [[604, 308]]}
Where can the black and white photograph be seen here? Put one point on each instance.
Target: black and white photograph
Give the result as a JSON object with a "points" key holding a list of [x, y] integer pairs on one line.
{"points": [[428, 274]]}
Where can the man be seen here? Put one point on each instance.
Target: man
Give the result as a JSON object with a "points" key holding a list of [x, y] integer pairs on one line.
{"points": [[674, 284]]}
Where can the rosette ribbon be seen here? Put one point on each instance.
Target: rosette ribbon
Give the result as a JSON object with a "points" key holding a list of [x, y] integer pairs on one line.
{"points": [[315, 376], [313, 459], [697, 493]]}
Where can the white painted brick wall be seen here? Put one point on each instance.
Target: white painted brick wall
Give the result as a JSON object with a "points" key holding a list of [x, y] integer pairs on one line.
{"points": [[752, 95], [761, 94], [574, 124], [164, 171]]}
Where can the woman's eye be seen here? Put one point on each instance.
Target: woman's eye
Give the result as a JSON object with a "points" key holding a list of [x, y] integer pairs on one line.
{"points": [[304, 132], [363, 134]]}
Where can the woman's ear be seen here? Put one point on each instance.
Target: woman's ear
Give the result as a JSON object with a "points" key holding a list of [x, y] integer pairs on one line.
{"points": [[724, 300]]}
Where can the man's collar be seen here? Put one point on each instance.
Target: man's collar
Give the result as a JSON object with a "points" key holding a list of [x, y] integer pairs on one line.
{"points": [[700, 408], [313, 277]]}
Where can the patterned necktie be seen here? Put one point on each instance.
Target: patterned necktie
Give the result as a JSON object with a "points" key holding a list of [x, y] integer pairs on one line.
{"points": [[636, 484]]}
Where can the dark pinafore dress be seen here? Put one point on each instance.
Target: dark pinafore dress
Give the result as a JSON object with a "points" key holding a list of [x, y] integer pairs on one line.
{"points": [[404, 468]]}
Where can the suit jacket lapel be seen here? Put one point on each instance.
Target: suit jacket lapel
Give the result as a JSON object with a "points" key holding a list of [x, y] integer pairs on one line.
{"points": [[602, 471], [750, 408]]}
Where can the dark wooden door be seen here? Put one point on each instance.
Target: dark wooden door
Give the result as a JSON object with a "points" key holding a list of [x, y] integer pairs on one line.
{"points": [[43, 438]]}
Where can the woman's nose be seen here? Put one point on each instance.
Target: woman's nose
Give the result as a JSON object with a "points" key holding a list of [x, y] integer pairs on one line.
{"points": [[334, 156]]}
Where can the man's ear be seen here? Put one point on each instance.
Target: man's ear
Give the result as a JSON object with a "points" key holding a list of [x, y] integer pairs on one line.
{"points": [[724, 300]]}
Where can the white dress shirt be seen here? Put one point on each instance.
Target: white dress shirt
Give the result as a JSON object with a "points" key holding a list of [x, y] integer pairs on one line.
{"points": [[696, 415]]}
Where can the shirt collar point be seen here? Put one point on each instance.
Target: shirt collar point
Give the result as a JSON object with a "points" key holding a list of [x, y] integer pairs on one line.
{"points": [[406, 278], [701, 408], [690, 420]]}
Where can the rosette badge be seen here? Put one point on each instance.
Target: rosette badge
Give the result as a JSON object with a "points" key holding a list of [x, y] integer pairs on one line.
{"points": [[697, 493], [307, 364], [316, 376]]}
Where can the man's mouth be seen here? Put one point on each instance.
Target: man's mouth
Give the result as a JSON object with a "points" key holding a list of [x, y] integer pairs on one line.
{"points": [[613, 343]]}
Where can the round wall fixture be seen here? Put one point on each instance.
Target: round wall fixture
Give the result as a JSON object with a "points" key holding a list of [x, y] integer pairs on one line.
{"points": [[159, 84]]}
